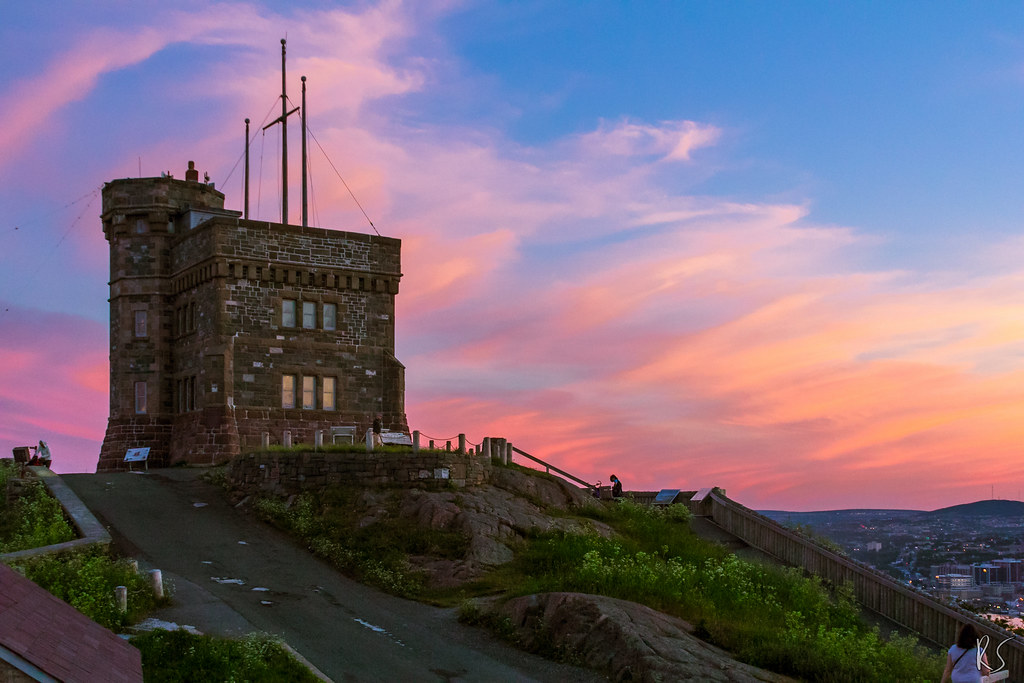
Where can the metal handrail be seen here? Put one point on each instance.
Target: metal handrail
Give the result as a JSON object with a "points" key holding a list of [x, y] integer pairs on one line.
{"points": [[551, 468]]}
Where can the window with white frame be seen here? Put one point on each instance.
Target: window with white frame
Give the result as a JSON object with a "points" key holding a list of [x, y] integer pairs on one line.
{"points": [[140, 398], [308, 392], [330, 319], [141, 324], [328, 389], [288, 313], [308, 315], [287, 391]]}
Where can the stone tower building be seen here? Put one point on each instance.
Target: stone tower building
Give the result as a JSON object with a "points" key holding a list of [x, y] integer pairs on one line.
{"points": [[223, 329]]}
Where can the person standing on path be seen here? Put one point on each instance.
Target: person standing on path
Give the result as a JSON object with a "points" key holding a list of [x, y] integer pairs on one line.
{"points": [[616, 486], [963, 665]]}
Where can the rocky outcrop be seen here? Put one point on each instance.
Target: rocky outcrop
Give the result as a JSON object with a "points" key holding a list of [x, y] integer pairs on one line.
{"points": [[493, 518], [624, 640]]}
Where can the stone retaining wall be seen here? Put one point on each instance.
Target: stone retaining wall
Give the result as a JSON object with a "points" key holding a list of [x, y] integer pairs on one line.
{"points": [[287, 473]]}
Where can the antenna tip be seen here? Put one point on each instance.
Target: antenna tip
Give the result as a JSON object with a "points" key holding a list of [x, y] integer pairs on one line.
{"points": [[303, 79], [283, 41], [247, 120]]}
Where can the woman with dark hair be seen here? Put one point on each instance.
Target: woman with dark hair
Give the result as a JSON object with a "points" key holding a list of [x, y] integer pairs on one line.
{"points": [[962, 663]]}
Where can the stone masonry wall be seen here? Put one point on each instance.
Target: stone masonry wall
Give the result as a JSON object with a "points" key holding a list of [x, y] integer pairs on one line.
{"points": [[217, 350], [288, 473]]}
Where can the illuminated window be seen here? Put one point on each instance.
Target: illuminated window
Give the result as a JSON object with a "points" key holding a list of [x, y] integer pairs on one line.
{"points": [[330, 316], [288, 391], [140, 398], [309, 393], [329, 388], [141, 318], [288, 313], [308, 315]]}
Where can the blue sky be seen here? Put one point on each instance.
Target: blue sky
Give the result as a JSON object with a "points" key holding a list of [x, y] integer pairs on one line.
{"points": [[774, 247]]}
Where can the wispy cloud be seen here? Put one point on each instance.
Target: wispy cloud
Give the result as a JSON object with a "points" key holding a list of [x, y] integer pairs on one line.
{"points": [[570, 296]]}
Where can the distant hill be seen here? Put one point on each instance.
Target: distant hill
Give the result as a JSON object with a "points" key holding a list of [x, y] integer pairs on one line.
{"points": [[982, 508]]}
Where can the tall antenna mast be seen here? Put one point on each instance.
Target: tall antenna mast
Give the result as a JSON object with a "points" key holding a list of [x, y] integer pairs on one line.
{"points": [[246, 215], [305, 222], [283, 120], [284, 140]]}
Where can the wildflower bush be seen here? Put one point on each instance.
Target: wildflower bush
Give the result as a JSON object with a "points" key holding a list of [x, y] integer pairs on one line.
{"points": [[86, 579], [768, 616], [32, 520], [179, 656]]}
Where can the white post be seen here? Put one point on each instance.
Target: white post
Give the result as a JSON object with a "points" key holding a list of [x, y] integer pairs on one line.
{"points": [[121, 596], [416, 441], [266, 440], [134, 564], [286, 439], [318, 439], [156, 579], [369, 440]]}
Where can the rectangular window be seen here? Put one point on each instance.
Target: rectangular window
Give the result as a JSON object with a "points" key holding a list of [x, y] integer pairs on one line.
{"points": [[287, 391], [192, 317], [308, 315], [288, 313], [328, 387], [330, 316], [308, 393], [181, 396], [141, 318], [140, 398]]}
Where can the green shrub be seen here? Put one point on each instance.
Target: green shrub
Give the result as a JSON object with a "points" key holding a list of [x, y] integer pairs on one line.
{"points": [[86, 579], [173, 656], [32, 520], [765, 615]]}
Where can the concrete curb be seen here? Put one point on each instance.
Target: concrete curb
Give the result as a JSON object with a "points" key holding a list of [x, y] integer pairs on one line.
{"points": [[90, 531]]}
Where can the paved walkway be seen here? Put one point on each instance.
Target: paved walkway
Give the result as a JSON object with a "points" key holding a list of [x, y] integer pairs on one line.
{"points": [[233, 575]]}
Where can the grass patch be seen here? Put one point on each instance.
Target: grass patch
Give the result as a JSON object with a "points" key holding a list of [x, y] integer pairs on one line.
{"points": [[376, 553], [31, 520], [85, 579], [179, 656], [353, 448], [767, 616]]}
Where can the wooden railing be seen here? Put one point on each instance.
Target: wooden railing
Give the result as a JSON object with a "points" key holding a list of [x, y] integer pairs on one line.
{"points": [[908, 607], [548, 467]]}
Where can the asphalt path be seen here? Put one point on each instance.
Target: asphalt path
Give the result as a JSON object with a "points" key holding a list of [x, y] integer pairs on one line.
{"points": [[232, 574]]}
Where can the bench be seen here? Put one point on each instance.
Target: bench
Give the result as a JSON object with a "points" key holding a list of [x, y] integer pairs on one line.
{"points": [[134, 455], [395, 439], [343, 434]]}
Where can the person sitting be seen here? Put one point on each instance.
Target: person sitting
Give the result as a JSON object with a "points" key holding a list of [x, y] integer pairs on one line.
{"points": [[42, 456], [616, 486]]}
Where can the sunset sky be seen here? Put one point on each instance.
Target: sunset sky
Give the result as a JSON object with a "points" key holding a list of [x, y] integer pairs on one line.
{"points": [[772, 247]]}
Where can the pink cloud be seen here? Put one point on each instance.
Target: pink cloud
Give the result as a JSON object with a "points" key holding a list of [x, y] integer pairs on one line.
{"points": [[53, 385], [671, 141], [569, 296]]}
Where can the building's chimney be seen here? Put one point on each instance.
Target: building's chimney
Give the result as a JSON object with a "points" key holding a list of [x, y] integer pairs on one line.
{"points": [[192, 173]]}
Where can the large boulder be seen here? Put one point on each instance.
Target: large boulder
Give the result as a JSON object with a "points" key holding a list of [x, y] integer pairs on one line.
{"points": [[624, 640]]}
